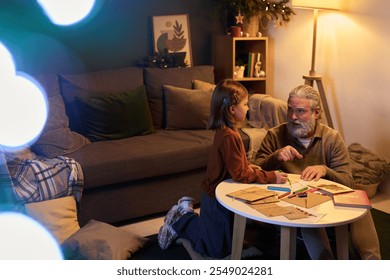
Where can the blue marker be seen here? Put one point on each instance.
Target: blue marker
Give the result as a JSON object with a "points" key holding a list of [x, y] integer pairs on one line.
{"points": [[275, 188]]}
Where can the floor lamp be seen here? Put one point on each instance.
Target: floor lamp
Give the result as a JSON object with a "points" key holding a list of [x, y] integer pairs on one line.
{"points": [[315, 5]]}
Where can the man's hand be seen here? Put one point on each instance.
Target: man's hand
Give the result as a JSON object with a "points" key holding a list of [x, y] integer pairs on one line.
{"points": [[315, 172], [287, 153]]}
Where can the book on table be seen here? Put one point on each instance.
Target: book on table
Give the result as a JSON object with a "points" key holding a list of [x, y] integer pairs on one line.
{"points": [[332, 189], [356, 198]]}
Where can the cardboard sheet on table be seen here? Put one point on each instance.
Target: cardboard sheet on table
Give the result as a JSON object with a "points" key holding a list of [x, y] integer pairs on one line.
{"points": [[296, 213], [251, 194], [312, 199], [270, 209]]}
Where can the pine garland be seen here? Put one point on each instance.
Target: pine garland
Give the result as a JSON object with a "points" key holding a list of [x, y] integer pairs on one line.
{"points": [[276, 11]]}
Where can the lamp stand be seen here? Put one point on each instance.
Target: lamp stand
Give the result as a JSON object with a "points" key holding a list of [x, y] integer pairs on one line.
{"points": [[309, 80]]}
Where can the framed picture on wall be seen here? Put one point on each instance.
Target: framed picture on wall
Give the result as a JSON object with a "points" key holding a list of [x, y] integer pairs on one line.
{"points": [[171, 35]]}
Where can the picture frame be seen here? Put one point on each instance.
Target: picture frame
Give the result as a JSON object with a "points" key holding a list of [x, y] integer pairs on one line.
{"points": [[171, 36]]}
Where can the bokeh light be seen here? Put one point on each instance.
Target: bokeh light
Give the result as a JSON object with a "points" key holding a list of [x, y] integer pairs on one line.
{"points": [[23, 107], [66, 12], [22, 238]]}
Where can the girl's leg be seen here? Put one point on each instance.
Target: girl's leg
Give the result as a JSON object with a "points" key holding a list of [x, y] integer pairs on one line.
{"points": [[211, 232]]}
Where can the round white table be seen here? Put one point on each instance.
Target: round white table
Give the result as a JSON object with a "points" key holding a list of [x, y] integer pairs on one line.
{"points": [[338, 217]]}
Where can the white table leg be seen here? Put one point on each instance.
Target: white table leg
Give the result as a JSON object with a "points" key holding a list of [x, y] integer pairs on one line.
{"points": [[342, 242], [288, 243], [238, 236]]}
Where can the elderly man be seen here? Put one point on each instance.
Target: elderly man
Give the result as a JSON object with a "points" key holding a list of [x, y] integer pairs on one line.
{"points": [[305, 146]]}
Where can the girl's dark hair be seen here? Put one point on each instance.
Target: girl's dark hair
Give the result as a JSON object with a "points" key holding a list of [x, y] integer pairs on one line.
{"points": [[226, 93]]}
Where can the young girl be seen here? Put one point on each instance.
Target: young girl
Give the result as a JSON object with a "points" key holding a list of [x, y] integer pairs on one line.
{"points": [[210, 233]]}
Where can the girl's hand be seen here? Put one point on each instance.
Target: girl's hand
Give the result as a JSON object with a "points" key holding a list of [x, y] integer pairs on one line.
{"points": [[254, 167], [281, 177]]}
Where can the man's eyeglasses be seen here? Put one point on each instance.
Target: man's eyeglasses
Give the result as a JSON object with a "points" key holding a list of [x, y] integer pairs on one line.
{"points": [[297, 111]]}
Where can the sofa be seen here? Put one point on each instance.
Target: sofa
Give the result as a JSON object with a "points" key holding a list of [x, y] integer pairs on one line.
{"points": [[139, 135]]}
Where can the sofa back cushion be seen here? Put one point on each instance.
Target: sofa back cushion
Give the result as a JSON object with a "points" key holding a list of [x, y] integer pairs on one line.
{"points": [[115, 116], [56, 138], [156, 78], [96, 84], [187, 108]]}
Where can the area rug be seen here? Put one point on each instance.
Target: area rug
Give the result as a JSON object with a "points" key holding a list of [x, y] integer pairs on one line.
{"points": [[182, 250], [152, 251]]}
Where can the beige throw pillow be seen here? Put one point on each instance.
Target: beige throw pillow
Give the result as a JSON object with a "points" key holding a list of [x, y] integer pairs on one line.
{"points": [[187, 108], [58, 216]]}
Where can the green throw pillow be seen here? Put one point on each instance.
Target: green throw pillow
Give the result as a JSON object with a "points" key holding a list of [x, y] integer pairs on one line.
{"points": [[115, 116]]}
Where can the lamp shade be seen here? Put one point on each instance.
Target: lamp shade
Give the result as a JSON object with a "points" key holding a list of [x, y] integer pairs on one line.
{"points": [[317, 4]]}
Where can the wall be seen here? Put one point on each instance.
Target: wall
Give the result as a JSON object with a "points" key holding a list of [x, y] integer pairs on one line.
{"points": [[354, 59], [118, 34]]}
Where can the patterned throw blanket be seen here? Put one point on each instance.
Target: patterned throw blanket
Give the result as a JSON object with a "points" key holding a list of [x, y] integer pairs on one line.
{"points": [[44, 179]]}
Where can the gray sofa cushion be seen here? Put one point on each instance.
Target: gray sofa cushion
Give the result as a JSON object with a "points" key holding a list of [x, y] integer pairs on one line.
{"points": [[186, 108], [96, 84], [56, 138], [162, 153], [155, 78], [101, 241]]}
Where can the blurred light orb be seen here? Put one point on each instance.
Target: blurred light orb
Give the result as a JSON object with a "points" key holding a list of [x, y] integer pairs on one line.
{"points": [[22, 238], [23, 106], [66, 12]]}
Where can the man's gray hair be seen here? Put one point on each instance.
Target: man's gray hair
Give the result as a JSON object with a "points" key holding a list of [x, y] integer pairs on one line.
{"points": [[308, 92]]}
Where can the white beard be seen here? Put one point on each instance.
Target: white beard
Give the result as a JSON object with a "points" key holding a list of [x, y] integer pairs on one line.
{"points": [[300, 129]]}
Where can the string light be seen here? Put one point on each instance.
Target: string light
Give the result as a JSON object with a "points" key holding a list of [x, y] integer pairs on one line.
{"points": [[275, 11]]}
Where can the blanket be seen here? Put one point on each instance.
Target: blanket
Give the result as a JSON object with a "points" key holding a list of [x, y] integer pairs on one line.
{"points": [[48, 178], [266, 111], [256, 136], [367, 167]]}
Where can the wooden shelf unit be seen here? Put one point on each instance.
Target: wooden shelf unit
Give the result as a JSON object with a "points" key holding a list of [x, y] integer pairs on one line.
{"points": [[226, 50]]}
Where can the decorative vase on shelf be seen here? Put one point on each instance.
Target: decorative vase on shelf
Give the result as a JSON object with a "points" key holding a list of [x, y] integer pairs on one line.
{"points": [[251, 26], [239, 72]]}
